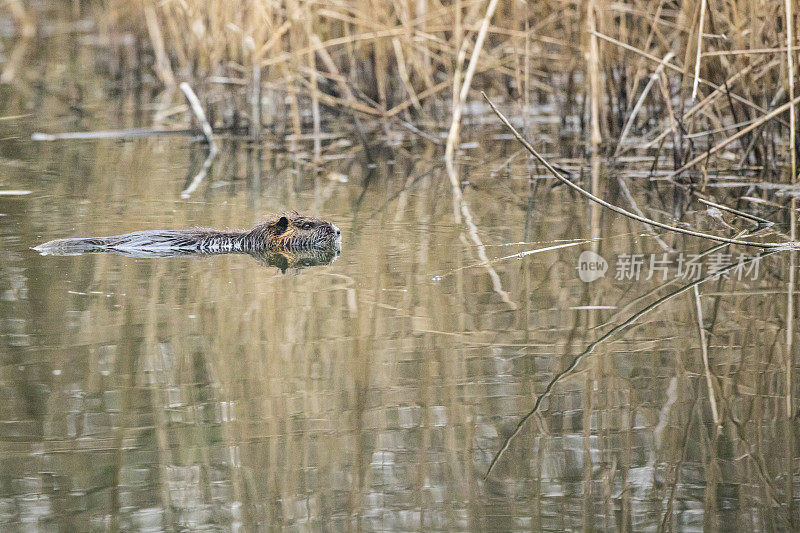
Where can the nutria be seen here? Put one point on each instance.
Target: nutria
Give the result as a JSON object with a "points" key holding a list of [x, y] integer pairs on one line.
{"points": [[287, 232]]}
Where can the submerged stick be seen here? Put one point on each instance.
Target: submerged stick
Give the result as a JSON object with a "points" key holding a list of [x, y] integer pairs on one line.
{"points": [[209, 134], [762, 222], [624, 212], [133, 133]]}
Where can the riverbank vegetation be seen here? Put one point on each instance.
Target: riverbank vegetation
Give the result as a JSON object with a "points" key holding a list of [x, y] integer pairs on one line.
{"points": [[709, 83]]}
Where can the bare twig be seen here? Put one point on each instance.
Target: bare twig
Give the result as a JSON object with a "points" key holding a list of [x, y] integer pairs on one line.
{"points": [[201, 116], [209, 134], [760, 221], [631, 200]]}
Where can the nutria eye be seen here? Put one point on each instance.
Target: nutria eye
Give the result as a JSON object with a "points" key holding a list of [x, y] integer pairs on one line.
{"points": [[308, 225]]}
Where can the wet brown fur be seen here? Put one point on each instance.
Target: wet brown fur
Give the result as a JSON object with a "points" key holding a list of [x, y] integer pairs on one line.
{"points": [[286, 230], [289, 231]]}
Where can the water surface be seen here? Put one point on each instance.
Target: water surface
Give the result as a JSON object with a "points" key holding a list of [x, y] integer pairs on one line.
{"points": [[373, 393]]}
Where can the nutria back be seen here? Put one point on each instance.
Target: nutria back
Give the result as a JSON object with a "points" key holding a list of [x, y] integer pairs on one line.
{"points": [[284, 232]]}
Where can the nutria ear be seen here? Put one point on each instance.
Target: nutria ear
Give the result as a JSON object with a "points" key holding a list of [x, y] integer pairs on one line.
{"points": [[281, 225]]}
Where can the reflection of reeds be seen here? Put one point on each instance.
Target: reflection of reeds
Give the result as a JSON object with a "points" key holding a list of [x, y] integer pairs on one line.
{"points": [[220, 392]]}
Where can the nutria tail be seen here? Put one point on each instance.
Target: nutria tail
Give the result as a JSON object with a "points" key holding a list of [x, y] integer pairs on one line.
{"points": [[145, 241], [73, 246]]}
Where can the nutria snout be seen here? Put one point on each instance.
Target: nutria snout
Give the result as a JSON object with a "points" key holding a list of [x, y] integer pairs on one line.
{"points": [[283, 232]]}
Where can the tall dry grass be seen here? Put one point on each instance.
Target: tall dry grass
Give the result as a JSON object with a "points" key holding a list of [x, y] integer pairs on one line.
{"points": [[685, 76], [263, 65]]}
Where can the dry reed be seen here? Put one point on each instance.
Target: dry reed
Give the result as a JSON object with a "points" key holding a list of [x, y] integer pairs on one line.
{"points": [[388, 61]]}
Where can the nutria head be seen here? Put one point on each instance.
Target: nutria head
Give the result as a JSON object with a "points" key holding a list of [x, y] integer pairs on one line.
{"points": [[293, 231]]}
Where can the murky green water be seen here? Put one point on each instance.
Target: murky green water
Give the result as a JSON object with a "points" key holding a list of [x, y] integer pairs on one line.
{"points": [[373, 393]]}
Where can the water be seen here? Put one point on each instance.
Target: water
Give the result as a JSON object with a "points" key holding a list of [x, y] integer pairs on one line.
{"points": [[374, 392]]}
